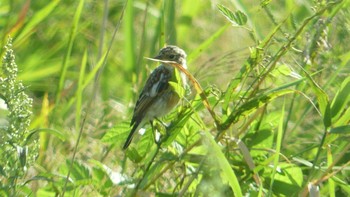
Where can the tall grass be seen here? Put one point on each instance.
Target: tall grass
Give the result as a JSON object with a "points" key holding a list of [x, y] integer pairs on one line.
{"points": [[269, 115]]}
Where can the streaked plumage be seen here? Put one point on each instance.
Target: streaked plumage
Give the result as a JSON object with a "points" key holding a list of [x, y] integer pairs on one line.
{"points": [[157, 97]]}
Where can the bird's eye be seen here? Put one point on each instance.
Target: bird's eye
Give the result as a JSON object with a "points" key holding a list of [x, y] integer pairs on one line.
{"points": [[172, 56]]}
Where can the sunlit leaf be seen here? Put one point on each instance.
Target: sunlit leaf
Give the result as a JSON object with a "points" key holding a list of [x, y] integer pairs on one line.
{"points": [[116, 134], [341, 99], [223, 164], [236, 18], [133, 155], [78, 171], [288, 179], [341, 129]]}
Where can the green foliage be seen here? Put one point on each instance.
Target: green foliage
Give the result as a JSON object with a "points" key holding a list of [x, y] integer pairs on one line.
{"points": [[269, 116], [238, 17]]}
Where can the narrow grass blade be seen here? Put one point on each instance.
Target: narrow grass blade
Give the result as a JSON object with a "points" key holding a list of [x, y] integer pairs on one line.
{"points": [[331, 184], [340, 130], [322, 99], [170, 29], [89, 78], [341, 99], [130, 56], [66, 59], [79, 93], [35, 20], [278, 149]]}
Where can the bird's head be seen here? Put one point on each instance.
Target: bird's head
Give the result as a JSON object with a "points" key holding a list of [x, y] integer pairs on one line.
{"points": [[172, 53]]}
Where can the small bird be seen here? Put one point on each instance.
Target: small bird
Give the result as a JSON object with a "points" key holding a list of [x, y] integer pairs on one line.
{"points": [[158, 97]]}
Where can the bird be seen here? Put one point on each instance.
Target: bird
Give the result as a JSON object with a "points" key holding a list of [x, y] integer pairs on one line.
{"points": [[158, 97]]}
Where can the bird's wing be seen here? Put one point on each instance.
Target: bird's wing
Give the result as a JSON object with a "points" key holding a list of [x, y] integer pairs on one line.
{"points": [[156, 84]]}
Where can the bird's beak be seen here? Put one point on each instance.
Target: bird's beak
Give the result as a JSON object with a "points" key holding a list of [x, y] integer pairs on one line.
{"points": [[158, 57]]}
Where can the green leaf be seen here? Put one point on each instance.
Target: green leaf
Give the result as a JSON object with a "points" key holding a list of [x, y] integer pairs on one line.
{"points": [[46, 191], [283, 69], [261, 139], [103, 174], [341, 130], [102, 180], [133, 155], [341, 99], [78, 171], [236, 18], [322, 99], [54, 132], [264, 3], [223, 164], [151, 173], [145, 142], [177, 85], [80, 91], [118, 133], [290, 174], [343, 119], [175, 128], [327, 118], [287, 180]]}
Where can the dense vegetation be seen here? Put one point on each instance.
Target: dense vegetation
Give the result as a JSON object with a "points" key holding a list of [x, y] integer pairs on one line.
{"points": [[267, 114]]}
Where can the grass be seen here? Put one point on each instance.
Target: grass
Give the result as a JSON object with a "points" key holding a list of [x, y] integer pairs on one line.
{"points": [[268, 117]]}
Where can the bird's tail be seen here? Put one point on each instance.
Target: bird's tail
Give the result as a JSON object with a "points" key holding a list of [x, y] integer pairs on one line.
{"points": [[135, 127]]}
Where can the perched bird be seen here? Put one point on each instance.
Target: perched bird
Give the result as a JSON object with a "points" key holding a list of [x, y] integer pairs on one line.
{"points": [[158, 98]]}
